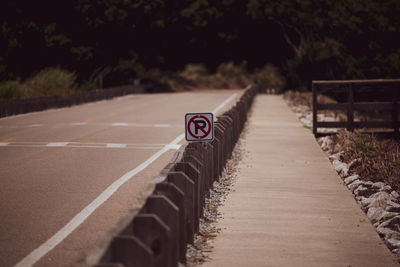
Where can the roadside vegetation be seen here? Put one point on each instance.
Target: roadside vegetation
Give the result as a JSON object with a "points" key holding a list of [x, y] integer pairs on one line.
{"points": [[56, 81], [118, 41], [227, 76], [47, 82], [376, 156], [379, 158]]}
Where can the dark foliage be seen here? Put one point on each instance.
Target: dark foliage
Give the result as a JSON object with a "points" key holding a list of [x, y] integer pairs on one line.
{"points": [[115, 41]]}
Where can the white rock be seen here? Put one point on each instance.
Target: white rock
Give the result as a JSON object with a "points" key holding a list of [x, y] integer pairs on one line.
{"points": [[378, 203], [394, 194], [390, 223], [367, 184], [365, 202], [379, 213], [327, 118], [375, 213], [306, 122], [393, 243], [351, 179], [396, 251], [392, 206], [337, 156], [340, 167], [386, 232], [378, 185], [383, 195], [360, 189], [325, 143], [386, 188], [353, 186], [328, 130]]}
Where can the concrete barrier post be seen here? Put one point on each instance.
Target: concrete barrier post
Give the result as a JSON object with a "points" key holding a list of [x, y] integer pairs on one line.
{"points": [[131, 252], [169, 214], [194, 175], [156, 235], [173, 193], [200, 167], [219, 134], [109, 264], [184, 183]]}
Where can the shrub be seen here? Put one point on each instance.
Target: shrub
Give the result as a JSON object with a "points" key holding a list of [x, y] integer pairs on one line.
{"points": [[196, 73], [269, 77], [51, 81], [229, 75], [11, 89], [218, 82]]}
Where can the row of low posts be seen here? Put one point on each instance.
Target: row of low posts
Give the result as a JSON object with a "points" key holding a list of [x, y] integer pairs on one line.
{"points": [[10, 107], [159, 233]]}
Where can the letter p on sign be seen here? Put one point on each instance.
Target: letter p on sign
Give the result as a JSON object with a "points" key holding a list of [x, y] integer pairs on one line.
{"points": [[199, 127]]}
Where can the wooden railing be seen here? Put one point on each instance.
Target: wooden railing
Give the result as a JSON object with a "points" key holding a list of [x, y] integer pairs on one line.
{"points": [[379, 88]]}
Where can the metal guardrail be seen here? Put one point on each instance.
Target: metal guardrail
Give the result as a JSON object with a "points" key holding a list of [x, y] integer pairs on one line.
{"points": [[157, 234], [389, 88]]}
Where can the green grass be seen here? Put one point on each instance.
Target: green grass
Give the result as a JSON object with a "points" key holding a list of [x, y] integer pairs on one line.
{"points": [[362, 143]]}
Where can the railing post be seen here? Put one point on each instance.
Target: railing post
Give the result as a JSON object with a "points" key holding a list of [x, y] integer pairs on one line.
{"points": [[395, 114], [315, 111], [350, 108]]}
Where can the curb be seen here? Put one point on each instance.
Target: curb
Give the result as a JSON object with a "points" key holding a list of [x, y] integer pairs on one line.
{"points": [[159, 232]]}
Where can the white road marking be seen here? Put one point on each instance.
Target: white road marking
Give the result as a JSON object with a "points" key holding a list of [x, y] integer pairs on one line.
{"points": [[125, 124], [58, 144], [176, 147], [223, 104], [57, 238], [83, 145], [116, 145]]}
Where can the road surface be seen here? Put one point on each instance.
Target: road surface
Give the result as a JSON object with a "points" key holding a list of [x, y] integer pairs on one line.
{"points": [[68, 175]]}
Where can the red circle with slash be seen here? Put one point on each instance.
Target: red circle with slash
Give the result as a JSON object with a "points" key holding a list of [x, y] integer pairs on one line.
{"points": [[205, 133]]}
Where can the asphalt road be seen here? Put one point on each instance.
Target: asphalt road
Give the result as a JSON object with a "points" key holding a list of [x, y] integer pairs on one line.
{"points": [[68, 175]]}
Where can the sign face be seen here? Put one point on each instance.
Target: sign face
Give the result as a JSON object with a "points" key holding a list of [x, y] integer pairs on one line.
{"points": [[199, 127]]}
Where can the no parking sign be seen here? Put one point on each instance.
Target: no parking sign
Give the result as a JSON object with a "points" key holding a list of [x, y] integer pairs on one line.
{"points": [[199, 127]]}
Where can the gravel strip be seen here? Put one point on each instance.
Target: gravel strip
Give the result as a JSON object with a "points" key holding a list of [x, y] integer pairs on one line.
{"points": [[197, 253]]}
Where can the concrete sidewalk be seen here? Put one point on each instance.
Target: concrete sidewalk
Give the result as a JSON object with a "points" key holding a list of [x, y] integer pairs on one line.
{"points": [[289, 207]]}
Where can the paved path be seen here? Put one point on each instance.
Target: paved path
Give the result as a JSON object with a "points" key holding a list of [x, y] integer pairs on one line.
{"points": [[289, 207], [55, 164]]}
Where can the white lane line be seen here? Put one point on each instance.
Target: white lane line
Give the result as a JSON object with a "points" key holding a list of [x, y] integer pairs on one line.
{"points": [[58, 237], [58, 144], [83, 145], [223, 104], [170, 146], [125, 124], [116, 145]]}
